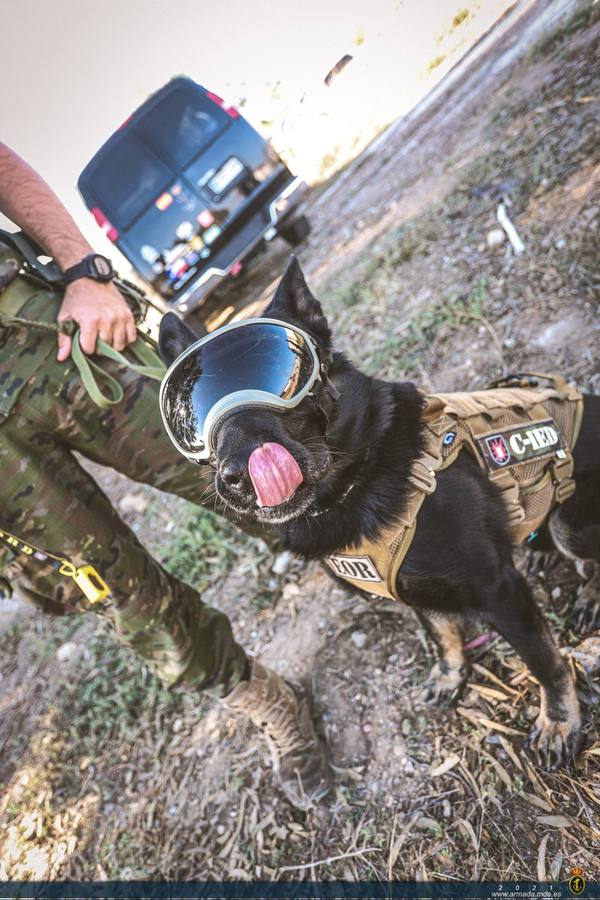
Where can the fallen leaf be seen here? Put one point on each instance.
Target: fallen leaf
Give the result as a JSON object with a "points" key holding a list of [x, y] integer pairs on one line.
{"points": [[555, 821], [466, 828], [537, 801], [490, 693], [541, 859], [444, 767], [498, 726]]}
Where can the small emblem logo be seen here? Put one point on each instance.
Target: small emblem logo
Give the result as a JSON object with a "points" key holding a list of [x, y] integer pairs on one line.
{"points": [[361, 568], [577, 882], [498, 449]]}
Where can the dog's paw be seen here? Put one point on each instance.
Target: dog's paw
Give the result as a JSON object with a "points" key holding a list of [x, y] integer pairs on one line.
{"points": [[555, 743], [586, 612], [444, 685]]}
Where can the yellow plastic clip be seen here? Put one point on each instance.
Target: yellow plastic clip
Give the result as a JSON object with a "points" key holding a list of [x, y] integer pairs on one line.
{"points": [[87, 580]]}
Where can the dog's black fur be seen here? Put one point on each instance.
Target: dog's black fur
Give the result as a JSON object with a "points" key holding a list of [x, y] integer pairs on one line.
{"points": [[355, 458]]}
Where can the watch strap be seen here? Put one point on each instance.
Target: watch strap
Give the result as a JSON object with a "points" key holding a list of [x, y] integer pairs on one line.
{"points": [[86, 269]]}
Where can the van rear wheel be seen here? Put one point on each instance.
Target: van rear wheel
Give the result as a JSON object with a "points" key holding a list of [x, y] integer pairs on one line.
{"points": [[295, 231]]}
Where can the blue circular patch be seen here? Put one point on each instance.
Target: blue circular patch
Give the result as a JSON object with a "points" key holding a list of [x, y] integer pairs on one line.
{"points": [[449, 438]]}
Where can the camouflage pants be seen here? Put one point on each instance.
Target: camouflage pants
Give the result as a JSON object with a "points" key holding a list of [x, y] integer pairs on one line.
{"points": [[48, 499]]}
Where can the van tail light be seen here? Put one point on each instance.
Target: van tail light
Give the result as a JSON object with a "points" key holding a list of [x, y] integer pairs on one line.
{"points": [[109, 230], [230, 110]]}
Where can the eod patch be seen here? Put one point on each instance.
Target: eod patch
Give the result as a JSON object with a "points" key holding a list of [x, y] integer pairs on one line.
{"points": [[361, 568], [521, 443]]}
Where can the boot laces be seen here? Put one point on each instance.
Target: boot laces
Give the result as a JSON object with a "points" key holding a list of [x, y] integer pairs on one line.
{"points": [[281, 726]]}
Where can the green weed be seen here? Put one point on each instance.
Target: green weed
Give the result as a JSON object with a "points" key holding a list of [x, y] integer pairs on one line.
{"points": [[114, 696], [204, 547], [441, 315]]}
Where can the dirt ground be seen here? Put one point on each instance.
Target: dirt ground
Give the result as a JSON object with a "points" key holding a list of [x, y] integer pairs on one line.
{"points": [[107, 775]]}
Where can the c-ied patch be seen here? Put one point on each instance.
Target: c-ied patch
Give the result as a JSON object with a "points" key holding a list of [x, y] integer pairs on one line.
{"points": [[521, 443], [361, 568]]}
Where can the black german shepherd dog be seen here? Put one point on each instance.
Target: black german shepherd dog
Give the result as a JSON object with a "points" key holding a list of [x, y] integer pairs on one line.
{"points": [[354, 465]]}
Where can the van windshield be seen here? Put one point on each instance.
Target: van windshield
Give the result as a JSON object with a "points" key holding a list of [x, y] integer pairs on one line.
{"points": [[182, 124], [128, 178]]}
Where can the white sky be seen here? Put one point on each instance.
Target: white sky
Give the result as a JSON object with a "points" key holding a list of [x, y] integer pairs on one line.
{"points": [[75, 69]]}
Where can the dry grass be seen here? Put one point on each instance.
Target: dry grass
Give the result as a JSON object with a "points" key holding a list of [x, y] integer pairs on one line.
{"points": [[122, 779], [107, 775]]}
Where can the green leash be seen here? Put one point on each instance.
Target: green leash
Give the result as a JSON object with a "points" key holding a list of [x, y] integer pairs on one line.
{"points": [[103, 389]]}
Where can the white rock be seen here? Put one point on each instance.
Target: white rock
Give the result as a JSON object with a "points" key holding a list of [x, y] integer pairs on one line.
{"points": [[359, 639], [69, 650], [282, 563], [290, 591], [559, 333], [495, 237], [134, 503]]}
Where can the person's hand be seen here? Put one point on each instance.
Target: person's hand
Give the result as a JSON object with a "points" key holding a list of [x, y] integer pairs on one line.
{"points": [[100, 311]]}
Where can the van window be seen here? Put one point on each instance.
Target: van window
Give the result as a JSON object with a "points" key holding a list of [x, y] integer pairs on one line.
{"points": [[128, 178], [182, 124]]}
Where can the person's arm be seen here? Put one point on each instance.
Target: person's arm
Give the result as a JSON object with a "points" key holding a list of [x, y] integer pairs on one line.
{"points": [[98, 308]]}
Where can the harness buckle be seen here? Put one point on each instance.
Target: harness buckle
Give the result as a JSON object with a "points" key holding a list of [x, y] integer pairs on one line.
{"points": [[564, 489], [562, 470], [516, 513], [562, 466], [422, 477]]}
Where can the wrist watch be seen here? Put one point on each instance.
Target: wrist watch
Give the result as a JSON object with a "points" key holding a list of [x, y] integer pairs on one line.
{"points": [[91, 266]]}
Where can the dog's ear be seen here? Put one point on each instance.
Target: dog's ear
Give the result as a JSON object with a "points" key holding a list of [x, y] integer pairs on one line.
{"points": [[295, 299], [174, 337]]}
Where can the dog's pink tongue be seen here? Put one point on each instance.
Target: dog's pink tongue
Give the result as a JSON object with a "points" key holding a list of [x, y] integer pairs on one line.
{"points": [[275, 474]]}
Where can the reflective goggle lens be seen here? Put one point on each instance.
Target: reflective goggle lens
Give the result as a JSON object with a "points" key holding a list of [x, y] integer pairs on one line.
{"points": [[258, 356]]}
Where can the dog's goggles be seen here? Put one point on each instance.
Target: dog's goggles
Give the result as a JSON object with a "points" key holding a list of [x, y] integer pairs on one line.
{"points": [[257, 362]]}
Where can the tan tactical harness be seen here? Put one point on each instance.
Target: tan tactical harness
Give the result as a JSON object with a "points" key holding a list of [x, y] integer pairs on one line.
{"points": [[521, 436]]}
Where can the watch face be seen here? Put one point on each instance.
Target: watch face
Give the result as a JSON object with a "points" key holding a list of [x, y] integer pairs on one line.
{"points": [[102, 266]]}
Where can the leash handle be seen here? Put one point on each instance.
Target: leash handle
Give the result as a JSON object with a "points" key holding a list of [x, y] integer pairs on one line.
{"points": [[103, 389]]}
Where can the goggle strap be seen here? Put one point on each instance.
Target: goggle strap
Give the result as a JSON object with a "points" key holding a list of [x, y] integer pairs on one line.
{"points": [[326, 395]]}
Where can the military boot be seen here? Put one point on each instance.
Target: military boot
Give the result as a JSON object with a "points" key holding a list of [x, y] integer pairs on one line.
{"points": [[283, 714]]}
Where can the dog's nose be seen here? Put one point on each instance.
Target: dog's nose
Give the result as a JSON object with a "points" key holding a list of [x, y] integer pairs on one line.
{"points": [[233, 473]]}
